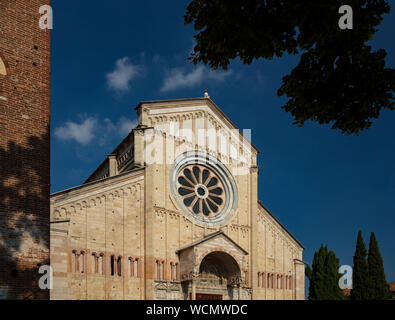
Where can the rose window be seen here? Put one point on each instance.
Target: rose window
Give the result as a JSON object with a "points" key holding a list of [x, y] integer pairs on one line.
{"points": [[201, 190]]}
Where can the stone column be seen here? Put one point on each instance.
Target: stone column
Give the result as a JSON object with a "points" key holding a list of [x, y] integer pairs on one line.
{"points": [[299, 279], [139, 146], [193, 282], [112, 165], [254, 169]]}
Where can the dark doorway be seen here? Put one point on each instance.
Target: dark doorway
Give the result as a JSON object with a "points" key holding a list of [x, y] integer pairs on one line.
{"points": [[202, 296]]}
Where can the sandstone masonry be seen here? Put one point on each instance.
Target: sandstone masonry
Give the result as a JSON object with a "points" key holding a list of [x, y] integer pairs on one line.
{"points": [[126, 233]]}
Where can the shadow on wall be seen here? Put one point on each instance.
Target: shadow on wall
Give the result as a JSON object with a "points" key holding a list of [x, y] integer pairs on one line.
{"points": [[24, 216]]}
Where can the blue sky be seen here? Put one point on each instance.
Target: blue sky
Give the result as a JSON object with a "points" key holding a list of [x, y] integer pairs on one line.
{"points": [[323, 186]]}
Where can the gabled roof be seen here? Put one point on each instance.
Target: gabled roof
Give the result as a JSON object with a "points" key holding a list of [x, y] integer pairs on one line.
{"points": [[97, 182], [105, 161], [211, 236], [211, 104], [281, 225], [130, 138]]}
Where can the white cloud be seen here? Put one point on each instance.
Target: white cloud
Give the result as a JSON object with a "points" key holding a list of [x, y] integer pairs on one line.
{"points": [[83, 132], [91, 130], [126, 125], [124, 72], [177, 78], [110, 131]]}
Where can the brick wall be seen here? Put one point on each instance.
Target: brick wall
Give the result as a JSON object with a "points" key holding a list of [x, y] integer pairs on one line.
{"points": [[24, 148]]}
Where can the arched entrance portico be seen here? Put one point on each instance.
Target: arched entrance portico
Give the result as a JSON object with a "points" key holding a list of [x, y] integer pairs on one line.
{"points": [[219, 277], [213, 267]]}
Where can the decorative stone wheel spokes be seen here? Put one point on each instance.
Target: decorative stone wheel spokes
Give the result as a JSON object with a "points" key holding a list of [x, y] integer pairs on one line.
{"points": [[201, 190]]}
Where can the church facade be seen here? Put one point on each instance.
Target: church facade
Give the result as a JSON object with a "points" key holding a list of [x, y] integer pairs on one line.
{"points": [[173, 213]]}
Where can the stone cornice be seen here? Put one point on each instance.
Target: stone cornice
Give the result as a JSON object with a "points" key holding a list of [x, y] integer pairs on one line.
{"points": [[98, 184], [273, 221], [67, 206], [194, 102], [254, 169], [160, 211]]}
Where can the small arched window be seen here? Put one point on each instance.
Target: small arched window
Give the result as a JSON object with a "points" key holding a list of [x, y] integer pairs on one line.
{"points": [[74, 261], [101, 263], [262, 280], [136, 268], [3, 74], [119, 266], [131, 267], [158, 270], [259, 279], [173, 271], [112, 265], [78, 261], [95, 264], [176, 267], [82, 261], [3, 69]]}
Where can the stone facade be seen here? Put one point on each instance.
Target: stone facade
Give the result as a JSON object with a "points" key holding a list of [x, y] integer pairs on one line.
{"points": [[24, 149], [130, 232]]}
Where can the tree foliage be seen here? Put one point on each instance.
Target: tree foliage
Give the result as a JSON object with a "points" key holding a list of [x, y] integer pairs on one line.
{"points": [[324, 276], [379, 289], [360, 275], [308, 272], [339, 80]]}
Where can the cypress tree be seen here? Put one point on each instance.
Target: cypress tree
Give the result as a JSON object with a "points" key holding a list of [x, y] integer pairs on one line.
{"points": [[317, 275], [333, 291], [360, 275], [324, 276], [379, 289], [308, 272], [323, 291], [312, 277]]}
